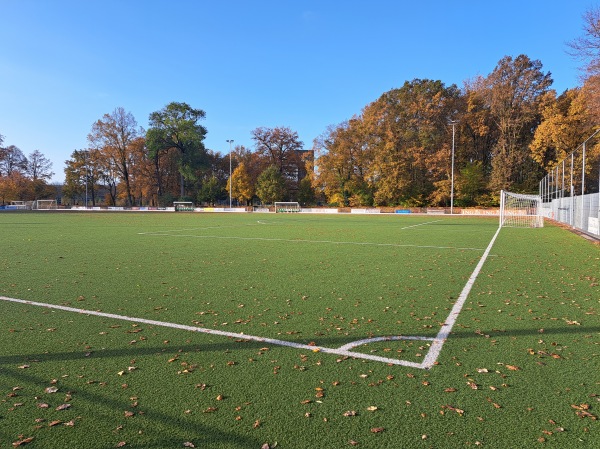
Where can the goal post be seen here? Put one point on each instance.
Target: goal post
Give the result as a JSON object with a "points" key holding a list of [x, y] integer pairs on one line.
{"points": [[286, 207], [518, 210], [44, 205]]}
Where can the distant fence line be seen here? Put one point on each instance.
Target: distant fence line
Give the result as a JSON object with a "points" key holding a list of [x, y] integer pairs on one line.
{"points": [[570, 192]]}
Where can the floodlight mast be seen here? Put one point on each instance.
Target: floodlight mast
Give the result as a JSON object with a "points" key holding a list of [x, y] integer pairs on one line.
{"points": [[453, 123], [230, 141]]}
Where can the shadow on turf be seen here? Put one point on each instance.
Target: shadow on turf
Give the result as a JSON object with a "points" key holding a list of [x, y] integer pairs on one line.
{"points": [[229, 345], [200, 434]]}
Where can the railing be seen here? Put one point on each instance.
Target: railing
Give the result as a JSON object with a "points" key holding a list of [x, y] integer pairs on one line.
{"points": [[570, 192]]}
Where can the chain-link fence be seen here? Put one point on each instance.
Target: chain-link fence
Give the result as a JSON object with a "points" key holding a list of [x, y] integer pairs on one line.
{"points": [[570, 192]]}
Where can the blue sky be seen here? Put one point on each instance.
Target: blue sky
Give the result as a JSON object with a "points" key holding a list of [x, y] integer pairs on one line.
{"points": [[247, 64]]}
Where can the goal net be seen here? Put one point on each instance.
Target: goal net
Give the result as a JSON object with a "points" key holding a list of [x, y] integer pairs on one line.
{"points": [[283, 207], [44, 205], [520, 211]]}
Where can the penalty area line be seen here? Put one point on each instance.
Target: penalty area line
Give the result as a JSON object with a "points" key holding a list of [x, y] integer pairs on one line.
{"points": [[329, 242], [342, 351]]}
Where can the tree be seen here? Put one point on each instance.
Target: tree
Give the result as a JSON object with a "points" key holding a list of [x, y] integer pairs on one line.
{"points": [[242, 187], [211, 190], [587, 47], [513, 93], [12, 160], [39, 170], [176, 128], [270, 186], [83, 174], [114, 136], [280, 146], [343, 157], [408, 133], [566, 122], [306, 192], [39, 167], [470, 185]]}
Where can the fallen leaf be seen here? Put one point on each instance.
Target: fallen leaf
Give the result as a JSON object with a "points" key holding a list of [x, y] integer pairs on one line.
{"points": [[513, 367], [371, 408], [188, 444], [350, 413], [63, 407], [54, 423], [22, 441], [128, 414], [51, 390], [377, 429], [121, 443]]}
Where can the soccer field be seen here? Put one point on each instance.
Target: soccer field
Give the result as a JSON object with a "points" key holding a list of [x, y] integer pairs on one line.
{"points": [[296, 331]]}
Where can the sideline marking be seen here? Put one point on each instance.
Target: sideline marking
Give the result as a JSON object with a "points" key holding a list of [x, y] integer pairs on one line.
{"points": [[344, 350], [442, 336]]}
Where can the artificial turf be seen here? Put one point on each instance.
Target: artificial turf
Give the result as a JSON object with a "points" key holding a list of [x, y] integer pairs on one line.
{"points": [[519, 368]]}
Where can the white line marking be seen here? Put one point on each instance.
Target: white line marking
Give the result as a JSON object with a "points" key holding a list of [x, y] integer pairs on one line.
{"points": [[420, 224], [332, 242], [444, 332], [344, 350], [336, 351]]}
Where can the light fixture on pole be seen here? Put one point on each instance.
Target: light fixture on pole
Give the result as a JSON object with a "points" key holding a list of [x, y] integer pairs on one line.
{"points": [[230, 141], [453, 123]]}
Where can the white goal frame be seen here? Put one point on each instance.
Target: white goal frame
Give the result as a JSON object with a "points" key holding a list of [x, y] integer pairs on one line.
{"points": [[45, 205], [287, 207], [518, 210]]}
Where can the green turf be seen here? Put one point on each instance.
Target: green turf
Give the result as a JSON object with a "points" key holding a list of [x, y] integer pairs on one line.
{"points": [[520, 367]]}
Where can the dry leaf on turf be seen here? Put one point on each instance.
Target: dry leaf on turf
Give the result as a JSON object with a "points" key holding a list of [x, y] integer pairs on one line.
{"points": [[23, 441], [377, 429], [63, 407]]}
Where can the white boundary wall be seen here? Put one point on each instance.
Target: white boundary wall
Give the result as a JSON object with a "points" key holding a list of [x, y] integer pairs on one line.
{"points": [[581, 212]]}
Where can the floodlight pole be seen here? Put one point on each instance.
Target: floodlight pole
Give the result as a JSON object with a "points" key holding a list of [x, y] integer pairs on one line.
{"points": [[87, 178], [230, 141], [453, 123]]}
